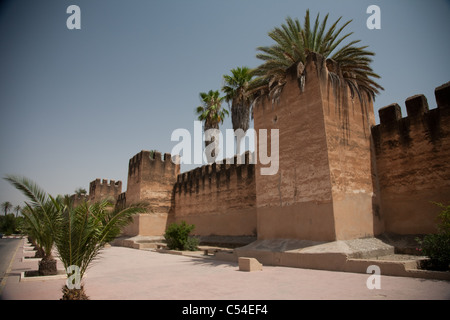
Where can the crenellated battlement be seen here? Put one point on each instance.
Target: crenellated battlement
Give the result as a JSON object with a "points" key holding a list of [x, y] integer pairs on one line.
{"points": [[340, 176], [420, 122], [104, 183], [100, 189], [412, 155], [216, 175], [151, 159]]}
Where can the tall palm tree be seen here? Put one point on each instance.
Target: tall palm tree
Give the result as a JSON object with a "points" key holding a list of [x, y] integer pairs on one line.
{"points": [[348, 64], [6, 206], [211, 112], [235, 89], [17, 209]]}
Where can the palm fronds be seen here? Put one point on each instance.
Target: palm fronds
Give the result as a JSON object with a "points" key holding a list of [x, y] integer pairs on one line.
{"points": [[87, 228], [211, 110], [293, 43], [79, 233], [40, 215], [235, 89]]}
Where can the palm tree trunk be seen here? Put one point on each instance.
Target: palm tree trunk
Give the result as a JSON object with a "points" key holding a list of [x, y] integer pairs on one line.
{"points": [[240, 118], [208, 126], [74, 294], [47, 266], [39, 252]]}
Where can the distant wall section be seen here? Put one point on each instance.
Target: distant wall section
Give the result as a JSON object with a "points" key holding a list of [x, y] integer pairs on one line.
{"points": [[103, 189]]}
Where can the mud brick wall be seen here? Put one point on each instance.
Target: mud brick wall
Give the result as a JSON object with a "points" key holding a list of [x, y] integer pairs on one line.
{"points": [[413, 162], [324, 187], [219, 199], [150, 180], [103, 189]]}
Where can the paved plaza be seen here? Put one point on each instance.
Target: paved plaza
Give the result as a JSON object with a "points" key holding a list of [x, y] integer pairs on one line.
{"points": [[124, 273]]}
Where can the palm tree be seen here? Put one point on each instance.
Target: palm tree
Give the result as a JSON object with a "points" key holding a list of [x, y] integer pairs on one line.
{"points": [[17, 209], [80, 191], [211, 112], [6, 206], [79, 233], [235, 89], [348, 65], [41, 219], [85, 229]]}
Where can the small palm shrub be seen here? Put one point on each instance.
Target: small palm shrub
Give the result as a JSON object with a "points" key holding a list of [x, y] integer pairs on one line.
{"points": [[40, 221], [78, 233], [177, 237], [437, 246]]}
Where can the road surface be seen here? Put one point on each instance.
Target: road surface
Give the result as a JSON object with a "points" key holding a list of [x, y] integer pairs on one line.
{"points": [[7, 249]]}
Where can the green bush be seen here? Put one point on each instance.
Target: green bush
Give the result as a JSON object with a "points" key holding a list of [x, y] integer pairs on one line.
{"points": [[9, 224], [437, 246], [177, 237]]}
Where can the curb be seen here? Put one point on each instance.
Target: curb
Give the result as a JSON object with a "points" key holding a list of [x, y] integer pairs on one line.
{"points": [[8, 270], [61, 275]]}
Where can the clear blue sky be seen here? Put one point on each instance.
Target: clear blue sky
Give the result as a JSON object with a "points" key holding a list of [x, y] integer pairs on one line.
{"points": [[76, 105]]}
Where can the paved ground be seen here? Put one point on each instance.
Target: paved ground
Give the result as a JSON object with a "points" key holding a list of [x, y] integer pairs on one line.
{"points": [[124, 273], [7, 250]]}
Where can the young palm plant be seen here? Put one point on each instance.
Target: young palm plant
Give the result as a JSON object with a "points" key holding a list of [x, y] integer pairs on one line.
{"points": [[85, 230], [348, 64], [79, 233], [41, 219], [212, 113]]}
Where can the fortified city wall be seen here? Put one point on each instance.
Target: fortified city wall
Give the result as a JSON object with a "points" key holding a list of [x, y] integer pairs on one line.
{"points": [[340, 176]]}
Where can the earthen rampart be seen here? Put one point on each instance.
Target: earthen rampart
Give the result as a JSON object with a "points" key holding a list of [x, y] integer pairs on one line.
{"points": [[323, 189], [340, 176], [219, 199], [151, 178], [103, 189], [413, 162]]}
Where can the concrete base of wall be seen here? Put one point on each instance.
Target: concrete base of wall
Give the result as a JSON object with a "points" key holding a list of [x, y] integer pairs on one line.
{"points": [[342, 255], [147, 224], [139, 242]]}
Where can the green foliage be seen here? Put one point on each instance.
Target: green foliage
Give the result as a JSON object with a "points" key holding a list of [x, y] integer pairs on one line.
{"points": [[79, 233], [9, 224], [437, 246], [40, 214], [177, 237], [211, 109], [6, 206], [348, 63], [80, 191], [235, 89], [85, 229]]}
